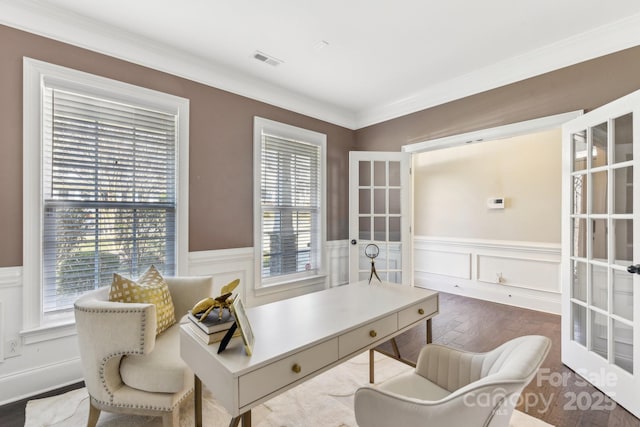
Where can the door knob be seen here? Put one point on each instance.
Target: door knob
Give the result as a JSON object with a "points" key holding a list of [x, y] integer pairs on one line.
{"points": [[634, 269], [354, 241]]}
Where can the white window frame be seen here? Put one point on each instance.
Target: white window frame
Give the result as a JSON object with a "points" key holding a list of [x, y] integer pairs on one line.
{"points": [[294, 133], [35, 75]]}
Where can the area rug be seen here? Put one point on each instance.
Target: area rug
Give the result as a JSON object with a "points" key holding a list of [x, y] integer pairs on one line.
{"points": [[326, 400]]}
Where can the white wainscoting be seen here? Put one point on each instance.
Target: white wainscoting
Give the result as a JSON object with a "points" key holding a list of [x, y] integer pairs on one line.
{"points": [[41, 365], [523, 274], [338, 257]]}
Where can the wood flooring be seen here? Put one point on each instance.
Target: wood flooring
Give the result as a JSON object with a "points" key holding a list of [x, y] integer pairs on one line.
{"points": [[557, 395]]}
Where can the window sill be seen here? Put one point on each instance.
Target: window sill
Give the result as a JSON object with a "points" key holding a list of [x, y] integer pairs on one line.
{"points": [[286, 285], [48, 332]]}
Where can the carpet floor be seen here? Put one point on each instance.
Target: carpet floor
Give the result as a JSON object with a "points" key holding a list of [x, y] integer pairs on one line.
{"points": [[326, 400]]}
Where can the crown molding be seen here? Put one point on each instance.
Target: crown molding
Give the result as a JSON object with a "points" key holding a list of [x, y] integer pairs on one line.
{"points": [[52, 22], [600, 41]]}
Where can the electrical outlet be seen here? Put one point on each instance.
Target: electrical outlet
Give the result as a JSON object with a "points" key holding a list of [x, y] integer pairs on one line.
{"points": [[12, 348]]}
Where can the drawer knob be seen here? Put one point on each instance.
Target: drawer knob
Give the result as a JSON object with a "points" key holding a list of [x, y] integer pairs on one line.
{"points": [[373, 334], [421, 311], [296, 368]]}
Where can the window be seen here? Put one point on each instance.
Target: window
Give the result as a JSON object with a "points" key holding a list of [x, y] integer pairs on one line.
{"points": [[108, 187], [289, 197]]}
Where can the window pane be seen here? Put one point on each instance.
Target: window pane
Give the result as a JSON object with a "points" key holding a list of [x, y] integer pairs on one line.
{"points": [[579, 145], [579, 233], [365, 200], [394, 229], [380, 201], [599, 140], [364, 228], [394, 174], [290, 190], [599, 334], [579, 281], [380, 228], [364, 172], [599, 192], [109, 193], [623, 241], [623, 346], [380, 173], [623, 190], [580, 194], [600, 245], [623, 138], [394, 201], [579, 324], [599, 286], [623, 294]]}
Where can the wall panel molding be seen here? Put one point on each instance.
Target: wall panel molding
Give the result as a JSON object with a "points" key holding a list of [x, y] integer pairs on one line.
{"points": [[338, 257], [30, 372], [10, 277], [523, 274]]}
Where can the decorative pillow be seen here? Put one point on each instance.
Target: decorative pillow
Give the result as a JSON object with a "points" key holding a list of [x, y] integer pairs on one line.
{"points": [[149, 288]]}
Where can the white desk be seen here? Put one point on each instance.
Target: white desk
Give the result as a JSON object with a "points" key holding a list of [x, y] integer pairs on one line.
{"points": [[299, 338]]}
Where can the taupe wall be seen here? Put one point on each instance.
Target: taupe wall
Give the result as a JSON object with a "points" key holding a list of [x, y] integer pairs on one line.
{"points": [[583, 86], [452, 187], [221, 146], [221, 132]]}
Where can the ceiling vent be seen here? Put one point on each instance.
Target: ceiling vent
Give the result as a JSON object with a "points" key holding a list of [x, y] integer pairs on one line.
{"points": [[267, 59]]}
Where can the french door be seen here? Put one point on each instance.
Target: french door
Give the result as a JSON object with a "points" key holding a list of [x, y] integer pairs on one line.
{"points": [[600, 306], [380, 215]]}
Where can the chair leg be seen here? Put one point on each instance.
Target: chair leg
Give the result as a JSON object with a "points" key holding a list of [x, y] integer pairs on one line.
{"points": [[171, 419], [94, 414]]}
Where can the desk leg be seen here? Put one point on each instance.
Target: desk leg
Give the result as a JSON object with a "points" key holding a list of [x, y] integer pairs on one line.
{"points": [[429, 332], [371, 367], [197, 385], [245, 418]]}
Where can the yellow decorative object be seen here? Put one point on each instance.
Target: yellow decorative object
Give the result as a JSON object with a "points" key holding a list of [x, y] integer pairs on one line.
{"points": [[150, 288], [205, 305]]}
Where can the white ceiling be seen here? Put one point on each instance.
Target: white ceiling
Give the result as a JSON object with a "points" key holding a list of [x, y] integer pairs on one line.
{"points": [[384, 58]]}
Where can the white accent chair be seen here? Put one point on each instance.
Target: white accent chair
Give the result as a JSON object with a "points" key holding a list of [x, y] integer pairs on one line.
{"points": [[455, 388], [127, 369]]}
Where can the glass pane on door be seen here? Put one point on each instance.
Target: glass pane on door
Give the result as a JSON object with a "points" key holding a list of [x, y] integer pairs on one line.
{"points": [[601, 221], [379, 217]]}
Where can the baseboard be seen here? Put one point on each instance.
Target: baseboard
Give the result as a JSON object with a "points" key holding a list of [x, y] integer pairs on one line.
{"points": [[523, 274], [520, 297], [31, 382]]}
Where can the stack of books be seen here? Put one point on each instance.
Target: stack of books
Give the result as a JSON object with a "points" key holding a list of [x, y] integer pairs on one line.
{"points": [[213, 328]]}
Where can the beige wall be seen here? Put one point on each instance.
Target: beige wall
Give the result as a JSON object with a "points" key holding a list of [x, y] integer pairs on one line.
{"points": [[452, 187], [221, 146]]}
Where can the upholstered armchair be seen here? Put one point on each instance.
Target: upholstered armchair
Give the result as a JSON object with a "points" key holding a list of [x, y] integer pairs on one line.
{"points": [[127, 369], [455, 388]]}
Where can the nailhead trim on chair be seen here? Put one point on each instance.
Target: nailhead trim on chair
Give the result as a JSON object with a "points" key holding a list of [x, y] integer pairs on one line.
{"points": [[146, 407], [120, 353]]}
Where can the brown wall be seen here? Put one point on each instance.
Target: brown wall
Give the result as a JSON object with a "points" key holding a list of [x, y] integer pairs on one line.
{"points": [[583, 86], [221, 146]]}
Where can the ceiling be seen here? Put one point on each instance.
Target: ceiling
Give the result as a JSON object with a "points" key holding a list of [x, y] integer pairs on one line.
{"points": [[350, 62]]}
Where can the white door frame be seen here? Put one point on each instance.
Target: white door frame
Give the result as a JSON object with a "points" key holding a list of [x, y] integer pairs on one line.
{"points": [[406, 212]]}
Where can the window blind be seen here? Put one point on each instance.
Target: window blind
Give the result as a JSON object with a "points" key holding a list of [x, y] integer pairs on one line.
{"points": [[290, 200], [109, 193]]}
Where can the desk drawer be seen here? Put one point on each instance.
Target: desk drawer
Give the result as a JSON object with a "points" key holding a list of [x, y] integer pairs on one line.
{"points": [[416, 312], [261, 382], [362, 337]]}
